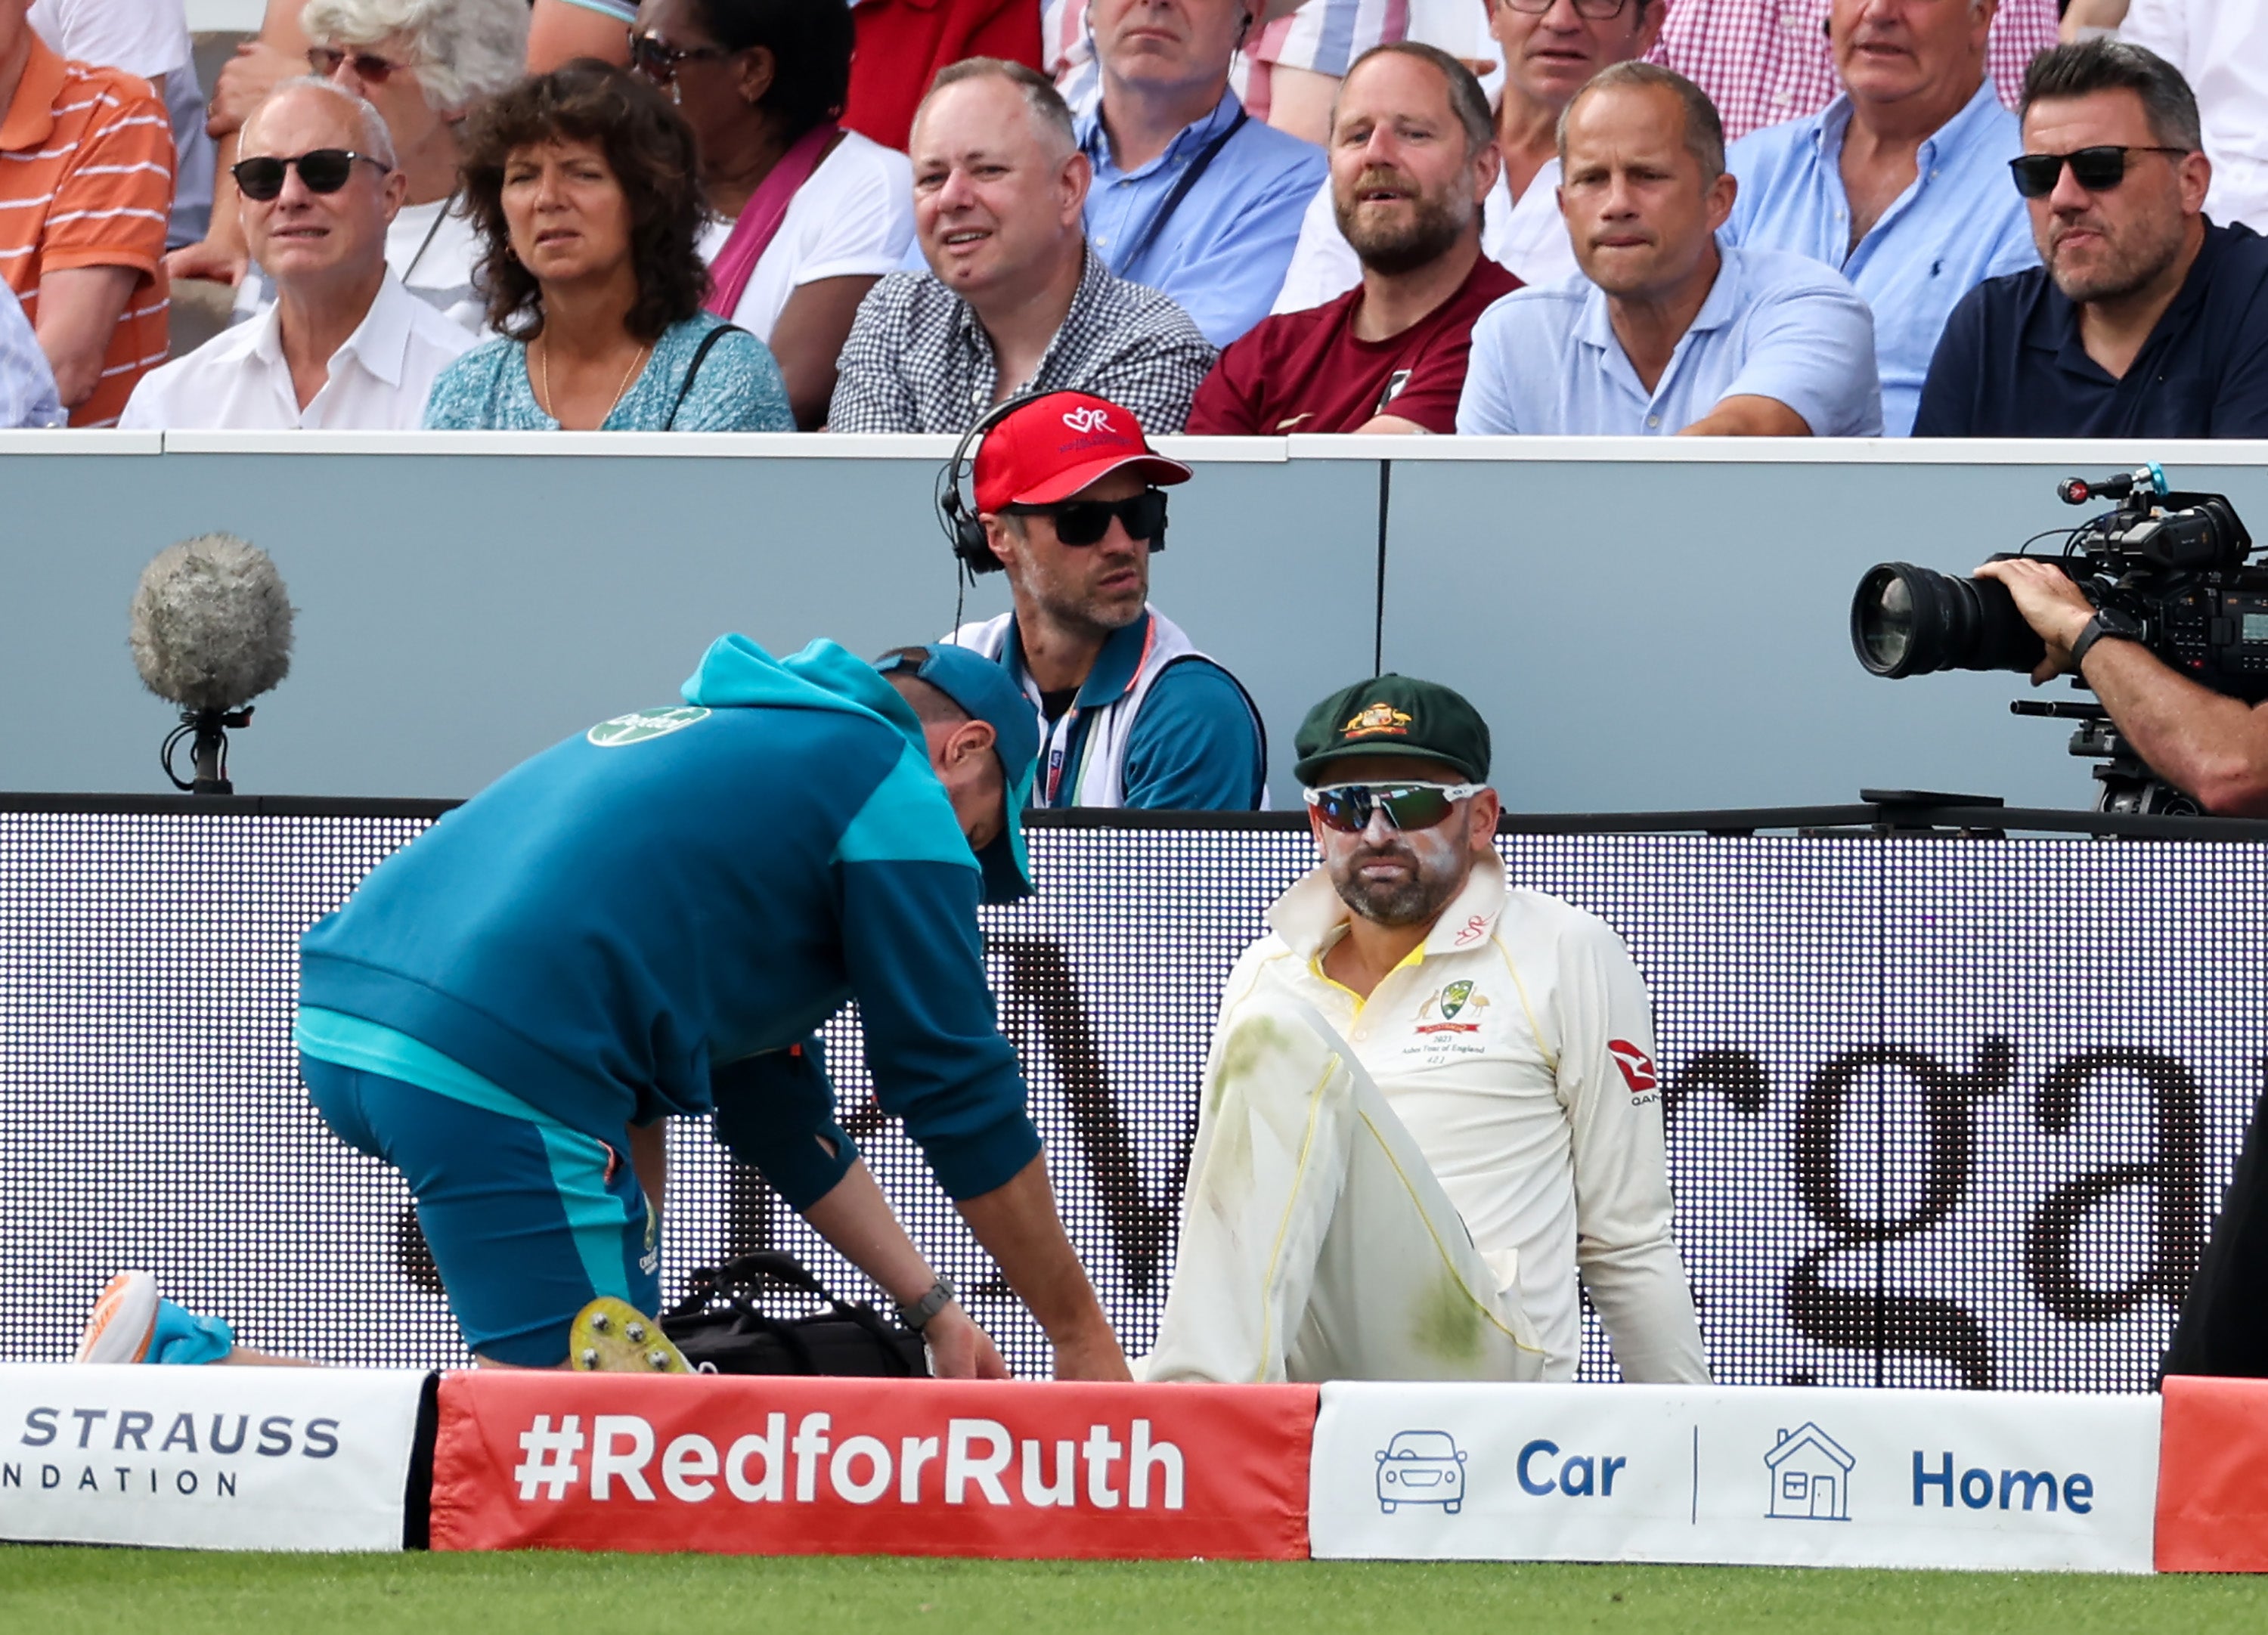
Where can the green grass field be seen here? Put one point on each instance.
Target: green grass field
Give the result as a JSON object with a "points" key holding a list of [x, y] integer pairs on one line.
{"points": [[92, 1591]]}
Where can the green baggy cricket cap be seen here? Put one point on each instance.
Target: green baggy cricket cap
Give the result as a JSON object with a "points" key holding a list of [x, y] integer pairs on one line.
{"points": [[1392, 715]]}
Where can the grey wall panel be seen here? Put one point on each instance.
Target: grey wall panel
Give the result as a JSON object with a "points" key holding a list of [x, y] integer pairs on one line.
{"points": [[1667, 635], [1644, 628], [458, 612]]}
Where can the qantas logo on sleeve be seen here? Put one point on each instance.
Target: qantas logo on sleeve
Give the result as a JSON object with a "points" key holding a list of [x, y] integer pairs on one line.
{"points": [[1636, 1068]]}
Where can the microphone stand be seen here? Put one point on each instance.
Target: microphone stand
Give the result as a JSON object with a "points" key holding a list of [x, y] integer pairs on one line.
{"points": [[206, 729]]}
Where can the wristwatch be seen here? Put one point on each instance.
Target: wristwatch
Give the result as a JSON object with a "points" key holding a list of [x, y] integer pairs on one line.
{"points": [[2107, 622], [916, 1315]]}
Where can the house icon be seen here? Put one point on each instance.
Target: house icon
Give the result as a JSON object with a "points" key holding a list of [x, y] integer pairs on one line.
{"points": [[1810, 1476]]}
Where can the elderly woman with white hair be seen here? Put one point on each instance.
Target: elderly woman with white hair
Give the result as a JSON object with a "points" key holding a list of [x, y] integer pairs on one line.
{"points": [[424, 64]]}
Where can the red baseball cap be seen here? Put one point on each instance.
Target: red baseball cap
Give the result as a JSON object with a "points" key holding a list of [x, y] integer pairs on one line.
{"points": [[1056, 445]]}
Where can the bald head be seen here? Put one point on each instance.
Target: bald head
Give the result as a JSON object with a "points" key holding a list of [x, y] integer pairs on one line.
{"points": [[999, 184], [1043, 105], [362, 128]]}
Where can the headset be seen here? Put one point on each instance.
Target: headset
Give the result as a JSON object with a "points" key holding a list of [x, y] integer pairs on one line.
{"points": [[956, 503]]}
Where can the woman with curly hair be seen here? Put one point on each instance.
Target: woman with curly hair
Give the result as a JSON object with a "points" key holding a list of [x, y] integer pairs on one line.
{"points": [[583, 185]]}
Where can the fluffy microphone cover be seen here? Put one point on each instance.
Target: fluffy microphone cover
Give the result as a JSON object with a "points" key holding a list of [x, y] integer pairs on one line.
{"points": [[210, 626]]}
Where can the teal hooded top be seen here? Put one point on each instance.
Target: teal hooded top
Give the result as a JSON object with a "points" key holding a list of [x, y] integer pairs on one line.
{"points": [[654, 917]]}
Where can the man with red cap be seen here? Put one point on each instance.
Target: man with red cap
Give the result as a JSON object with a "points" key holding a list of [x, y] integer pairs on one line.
{"points": [[1069, 500]]}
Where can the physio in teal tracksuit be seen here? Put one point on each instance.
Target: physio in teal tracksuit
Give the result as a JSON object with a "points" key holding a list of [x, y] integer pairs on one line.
{"points": [[652, 918]]}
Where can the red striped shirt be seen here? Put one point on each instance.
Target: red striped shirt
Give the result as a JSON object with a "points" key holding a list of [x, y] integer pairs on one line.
{"points": [[86, 179]]}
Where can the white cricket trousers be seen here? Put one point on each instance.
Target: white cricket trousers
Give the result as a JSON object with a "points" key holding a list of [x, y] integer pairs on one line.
{"points": [[1316, 1243]]}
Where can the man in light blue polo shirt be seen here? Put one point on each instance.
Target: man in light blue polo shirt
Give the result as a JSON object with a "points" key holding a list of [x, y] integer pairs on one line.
{"points": [[1191, 195], [1667, 331], [1902, 181]]}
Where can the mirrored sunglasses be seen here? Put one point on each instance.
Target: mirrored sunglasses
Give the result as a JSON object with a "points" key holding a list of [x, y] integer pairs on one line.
{"points": [[321, 170], [1347, 806]]}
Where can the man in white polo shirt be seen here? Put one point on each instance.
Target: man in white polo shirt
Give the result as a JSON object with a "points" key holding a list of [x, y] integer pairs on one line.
{"points": [[1430, 1106], [344, 347]]}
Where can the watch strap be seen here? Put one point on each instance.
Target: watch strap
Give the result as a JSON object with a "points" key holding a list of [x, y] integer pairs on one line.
{"points": [[916, 1315], [2094, 631]]}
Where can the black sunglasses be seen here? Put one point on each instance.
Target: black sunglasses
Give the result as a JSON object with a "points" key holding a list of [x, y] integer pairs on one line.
{"points": [[2098, 170], [1084, 521], [322, 170], [657, 59], [1347, 806], [368, 65]]}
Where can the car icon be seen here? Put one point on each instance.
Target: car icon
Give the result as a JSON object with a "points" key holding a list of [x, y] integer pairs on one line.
{"points": [[1421, 1468]]}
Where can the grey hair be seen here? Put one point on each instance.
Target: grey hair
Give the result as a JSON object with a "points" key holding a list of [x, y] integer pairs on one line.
{"points": [[375, 140], [1049, 111], [1704, 132], [1466, 101], [2106, 64], [466, 49]]}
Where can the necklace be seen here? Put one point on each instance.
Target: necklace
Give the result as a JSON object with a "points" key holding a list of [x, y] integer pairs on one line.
{"points": [[544, 377]]}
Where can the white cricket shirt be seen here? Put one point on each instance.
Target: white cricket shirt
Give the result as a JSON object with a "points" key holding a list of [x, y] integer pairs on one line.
{"points": [[1516, 1045]]}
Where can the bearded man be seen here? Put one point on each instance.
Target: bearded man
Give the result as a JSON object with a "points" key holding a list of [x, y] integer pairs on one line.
{"points": [[2144, 319], [1413, 154], [1430, 1106]]}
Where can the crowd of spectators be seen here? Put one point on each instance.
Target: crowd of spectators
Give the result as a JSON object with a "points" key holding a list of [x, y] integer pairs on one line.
{"points": [[1796, 217]]}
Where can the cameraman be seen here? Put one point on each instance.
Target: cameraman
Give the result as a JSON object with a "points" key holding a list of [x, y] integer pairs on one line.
{"points": [[2214, 747]]}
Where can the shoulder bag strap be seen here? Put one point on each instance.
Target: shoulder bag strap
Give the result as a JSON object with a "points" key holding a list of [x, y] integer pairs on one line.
{"points": [[699, 357]]}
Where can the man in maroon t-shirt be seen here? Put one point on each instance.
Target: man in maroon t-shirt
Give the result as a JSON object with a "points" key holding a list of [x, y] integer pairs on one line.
{"points": [[1413, 153]]}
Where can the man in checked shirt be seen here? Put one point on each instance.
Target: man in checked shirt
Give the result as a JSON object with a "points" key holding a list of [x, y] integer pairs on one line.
{"points": [[1015, 300], [1431, 1104]]}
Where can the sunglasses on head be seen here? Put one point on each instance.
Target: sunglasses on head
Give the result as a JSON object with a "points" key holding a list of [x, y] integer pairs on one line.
{"points": [[2098, 170], [1084, 521], [368, 65], [657, 59], [1347, 806], [322, 170]]}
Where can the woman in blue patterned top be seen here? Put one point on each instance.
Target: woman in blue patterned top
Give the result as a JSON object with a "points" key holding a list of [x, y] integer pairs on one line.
{"points": [[582, 183]]}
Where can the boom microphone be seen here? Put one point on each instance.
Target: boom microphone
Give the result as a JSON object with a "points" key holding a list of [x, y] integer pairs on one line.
{"points": [[211, 631]]}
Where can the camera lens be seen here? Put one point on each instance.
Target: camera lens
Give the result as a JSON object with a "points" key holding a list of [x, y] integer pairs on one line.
{"points": [[1882, 621], [1910, 621]]}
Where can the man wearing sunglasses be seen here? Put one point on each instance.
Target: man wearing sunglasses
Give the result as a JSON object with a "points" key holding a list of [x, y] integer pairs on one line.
{"points": [[344, 347], [1068, 496], [1431, 1104], [2147, 319]]}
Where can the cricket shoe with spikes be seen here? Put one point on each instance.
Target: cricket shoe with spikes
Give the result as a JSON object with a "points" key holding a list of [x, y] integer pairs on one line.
{"points": [[613, 1337]]}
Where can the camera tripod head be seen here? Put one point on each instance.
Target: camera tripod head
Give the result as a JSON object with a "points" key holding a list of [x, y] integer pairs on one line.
{"points": [[2124, 780]]}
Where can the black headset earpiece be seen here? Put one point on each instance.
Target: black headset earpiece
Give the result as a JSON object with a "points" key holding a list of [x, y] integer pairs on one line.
{"points": [[956, 501]]}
